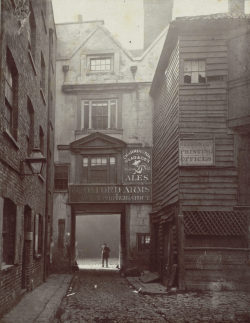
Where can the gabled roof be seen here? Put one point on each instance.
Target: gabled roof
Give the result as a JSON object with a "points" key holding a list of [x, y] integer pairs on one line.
{"points": [[96, 140], [72, 36]]}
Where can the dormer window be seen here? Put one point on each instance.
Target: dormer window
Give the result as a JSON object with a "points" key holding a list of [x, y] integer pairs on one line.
{"points": [[100, 63]]}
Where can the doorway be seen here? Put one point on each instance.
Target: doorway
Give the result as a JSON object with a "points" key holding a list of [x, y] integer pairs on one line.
{"points": [[92, 231]]}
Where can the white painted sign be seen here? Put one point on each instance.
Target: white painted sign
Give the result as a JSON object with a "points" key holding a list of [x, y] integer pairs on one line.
{"points": [[196, 152]]}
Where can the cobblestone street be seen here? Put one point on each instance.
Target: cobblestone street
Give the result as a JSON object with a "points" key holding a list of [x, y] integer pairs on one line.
{"points": [[104, 296]]}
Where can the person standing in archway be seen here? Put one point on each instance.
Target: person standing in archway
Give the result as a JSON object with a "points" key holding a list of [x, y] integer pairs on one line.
{"points": [[105, 254]]}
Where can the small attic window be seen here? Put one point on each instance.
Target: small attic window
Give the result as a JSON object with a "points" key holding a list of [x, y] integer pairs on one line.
{"points": [[100, 63]]}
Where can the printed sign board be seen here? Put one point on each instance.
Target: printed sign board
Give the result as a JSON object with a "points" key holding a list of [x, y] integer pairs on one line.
{"points": [[196, 152], [137, 165], [110, 193]]}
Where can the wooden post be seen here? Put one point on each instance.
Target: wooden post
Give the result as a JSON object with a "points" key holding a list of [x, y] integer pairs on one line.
{"points": [[72, 238], [181, 263]]}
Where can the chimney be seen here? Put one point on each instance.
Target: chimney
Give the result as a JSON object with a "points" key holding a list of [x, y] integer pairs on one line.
{"points": [[157, 15], [236, 7]]}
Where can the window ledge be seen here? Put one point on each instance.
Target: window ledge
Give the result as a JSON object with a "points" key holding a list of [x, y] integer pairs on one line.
{"points": [[11, 138], [6, 267], [32, 61], [107, 131], [43, 96], [100, 72]]}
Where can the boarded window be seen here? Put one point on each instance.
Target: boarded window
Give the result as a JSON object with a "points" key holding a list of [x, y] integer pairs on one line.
{"points": [[61, 177]]}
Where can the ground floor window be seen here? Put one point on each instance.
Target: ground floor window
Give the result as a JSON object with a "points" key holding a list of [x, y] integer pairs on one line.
{"points": [[143, 241], [38, 234], [9, 232]]}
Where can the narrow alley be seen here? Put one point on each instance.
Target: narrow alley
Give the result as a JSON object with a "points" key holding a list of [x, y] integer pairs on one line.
{"points": [[105, 296]]}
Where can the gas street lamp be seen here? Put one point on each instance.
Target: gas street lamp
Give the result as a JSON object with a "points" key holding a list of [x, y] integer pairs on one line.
{"points": [[35, 162]]}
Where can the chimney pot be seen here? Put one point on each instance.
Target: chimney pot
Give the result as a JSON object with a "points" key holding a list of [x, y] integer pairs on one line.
{"points": [[236, 7]]}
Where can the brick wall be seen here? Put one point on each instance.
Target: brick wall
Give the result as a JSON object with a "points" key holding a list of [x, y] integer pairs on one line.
{"points": [[32, 191]]}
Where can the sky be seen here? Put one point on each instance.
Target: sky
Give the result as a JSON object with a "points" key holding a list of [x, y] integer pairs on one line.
{"points": [[124, 18]]}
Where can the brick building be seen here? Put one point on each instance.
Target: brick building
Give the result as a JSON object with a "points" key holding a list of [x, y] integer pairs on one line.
{"points": [[199, 222], [27, 96], [103, 138]]}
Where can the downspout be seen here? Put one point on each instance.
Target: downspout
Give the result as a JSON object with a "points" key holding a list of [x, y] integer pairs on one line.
{"points": [[48, 164]]}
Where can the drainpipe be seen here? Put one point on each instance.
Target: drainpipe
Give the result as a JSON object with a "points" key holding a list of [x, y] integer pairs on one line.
{"points": [[48, 164]]}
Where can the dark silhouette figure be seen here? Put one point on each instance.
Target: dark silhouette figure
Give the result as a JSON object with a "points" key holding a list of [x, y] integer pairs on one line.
{"points": [[105, 254]]}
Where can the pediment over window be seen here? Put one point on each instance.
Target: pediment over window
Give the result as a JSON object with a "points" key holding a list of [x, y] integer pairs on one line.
{"points": [[96, 141]]}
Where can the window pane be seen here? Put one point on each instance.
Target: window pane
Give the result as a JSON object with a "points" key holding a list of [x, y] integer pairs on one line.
{"points": [[195, 66], [112, 160], [202, 78], [194, 78], [85, 162], [187, 66], [201, 66], [187, 78]]}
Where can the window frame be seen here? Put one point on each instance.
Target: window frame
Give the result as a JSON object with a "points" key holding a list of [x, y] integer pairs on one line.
{"points": [[89, 168], [193, 71], [100, 57], [11, 95], [38, 236], [9, 232], [142, 245], [87, 117], [66, 179]]}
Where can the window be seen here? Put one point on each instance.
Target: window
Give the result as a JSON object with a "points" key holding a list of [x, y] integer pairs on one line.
{"points": [[11, 91], [43, 71], [9, 232], [143, 241], [30, 127], [61, 177], [99, 114], [194, 71], [100, 64], [32, 32], [38, 234], [41, 140], [99, 169]]}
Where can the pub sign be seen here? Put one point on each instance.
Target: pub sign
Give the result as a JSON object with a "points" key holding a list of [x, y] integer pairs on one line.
{"points": [[137, 165]]}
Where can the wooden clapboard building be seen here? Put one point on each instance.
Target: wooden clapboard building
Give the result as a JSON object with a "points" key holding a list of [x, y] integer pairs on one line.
{"points": [[201, 192]]}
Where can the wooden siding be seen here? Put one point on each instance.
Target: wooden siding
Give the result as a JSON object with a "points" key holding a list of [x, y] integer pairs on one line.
{"points": [[223, 268], [165, 136], [203, 115]]}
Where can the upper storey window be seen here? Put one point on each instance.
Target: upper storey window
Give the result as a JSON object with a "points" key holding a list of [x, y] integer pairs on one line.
{"points": [[99, 114], [103, 63], [100, 64], [194, 71]]}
